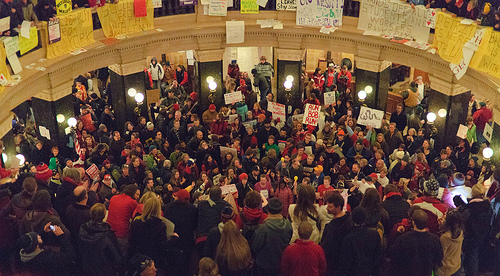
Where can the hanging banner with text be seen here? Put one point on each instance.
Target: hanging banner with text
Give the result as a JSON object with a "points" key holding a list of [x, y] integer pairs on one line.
{"points": [[487, 57], [278, 111], [249, 6], [370, 116], [76, 32], [311, 114], [26, 44], [235, 32], [186, 2], [319, 13], [468, 51], [286, 5], [120, 18], [451, 36], [393, 19]]}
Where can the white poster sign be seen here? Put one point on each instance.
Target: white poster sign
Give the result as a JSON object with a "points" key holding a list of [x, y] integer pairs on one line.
{"points": [[319, 13], [278, 111], [329, 98], [370, 116], [157, 4], [431, 18], [311, 114], [488, 132], [15, 64], [5, 24], [286, 5], [462, 131], [233, 97], [218, 8], [11, 44], [44, 132], [235, 32], [394, 19]]}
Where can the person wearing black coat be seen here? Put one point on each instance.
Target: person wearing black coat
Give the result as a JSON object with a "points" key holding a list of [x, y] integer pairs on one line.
{"points": [[77, 214], [395, 205], [65, 196], [45, 11], [9, 9]]}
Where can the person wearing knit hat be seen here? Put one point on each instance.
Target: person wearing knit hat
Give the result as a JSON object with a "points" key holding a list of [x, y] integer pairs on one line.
{"points": [[152, 147], [142, 265], [243, 176], [341, 133], [431, 204], [43, 172], [193, 96], [182, 195], [211, 107], [431, 187], [176, 107], [150, 125], [41, 201]]}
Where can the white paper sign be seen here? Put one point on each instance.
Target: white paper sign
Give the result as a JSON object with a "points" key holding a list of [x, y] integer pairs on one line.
{"points": [[278, 111], [286, 5], [265, 193], [157, 4], [25, 29], [233, 97], [15, 64], [319, 13], [226, 189], [44, 132], [327, 29], [329, 98], [462, 131], [394, 19], [262, 3], [431, 18], [488, 132], [11, 45], [218, 8], [311, 114], [468, 50], [5, 24], [235, 32], [278, 25], [370, 116]]}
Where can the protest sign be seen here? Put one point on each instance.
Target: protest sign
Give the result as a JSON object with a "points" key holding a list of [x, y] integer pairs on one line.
{"points": [[370, 116], [235, 32], [226, 150], [120, 18], [233, 97], [488, 132], [311, 114], [76, 32], [486, 59], [286, 5], [431, 18], [319, 13], [468, 51], [93, 171], [232, 117], [63, 6], [14, 63], [450, 37], [218, 8], [186, 2], [250, 124], [25, 29], [462, 131], [159, 4], [249, 6], [54, 30], [226, 189], [5, 24], [215, 179], [26, 44], [278, 111], [329, 98], [11, 44], [393, 19]]}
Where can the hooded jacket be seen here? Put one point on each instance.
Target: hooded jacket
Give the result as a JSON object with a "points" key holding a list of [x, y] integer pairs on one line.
{"points": [[65, 195], [269, 241], [332, 238], [156, 70], [99, 248], [251, 215], [35, 221]]}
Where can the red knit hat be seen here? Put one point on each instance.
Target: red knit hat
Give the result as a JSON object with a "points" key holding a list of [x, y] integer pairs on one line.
{"points": [[43, 172], [211, 107], [182, 195], [374, 176], [176, 107], [193, 96], [243, 176]]}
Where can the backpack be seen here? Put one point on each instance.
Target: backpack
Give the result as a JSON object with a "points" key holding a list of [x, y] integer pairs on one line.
{"points": [[249, 227]]}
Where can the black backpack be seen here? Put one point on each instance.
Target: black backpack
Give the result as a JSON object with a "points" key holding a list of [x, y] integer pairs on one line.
{"points": [[249, 227]]}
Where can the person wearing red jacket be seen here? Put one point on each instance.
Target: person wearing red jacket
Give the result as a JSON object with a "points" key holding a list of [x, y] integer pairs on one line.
{"points": [[429, 202], [303, 257], [182, 76], [219, 125], [121, 208], [481, 117], [252, 212]]}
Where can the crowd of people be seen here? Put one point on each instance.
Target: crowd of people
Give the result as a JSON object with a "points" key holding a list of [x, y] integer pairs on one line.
{"points": [[250, 196]]}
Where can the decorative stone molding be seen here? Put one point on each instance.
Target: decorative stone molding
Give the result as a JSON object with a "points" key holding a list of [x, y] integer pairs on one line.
{"points": [[129, 68], [206, 56], [289, 54], [371, 65]]}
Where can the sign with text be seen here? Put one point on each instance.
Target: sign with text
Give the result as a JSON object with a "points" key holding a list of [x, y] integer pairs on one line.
{"points": [[218, 8], [11, 44], [233, 97], [76, 32], [93, 171], [394, 19], [249, 6], [235, 32], [311, 114], [329, 98], [370, 116], [278, 111], [468, 51], [187, 2], [488, 132], [226, 189], [431, 18], [286, 5], [26, 44], [54, 30], [225, 150], [159, 4], [63, 6], [120, 18], [462, 131], [487, 57], [319, 13], [5, 24], [450, 37]]}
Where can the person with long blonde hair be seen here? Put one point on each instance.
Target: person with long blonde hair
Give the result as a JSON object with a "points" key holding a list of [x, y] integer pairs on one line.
{"points": [[233, 252], [208, 267]]}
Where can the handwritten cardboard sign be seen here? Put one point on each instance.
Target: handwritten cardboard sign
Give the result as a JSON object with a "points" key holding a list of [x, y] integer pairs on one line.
{"points": [[370, 116], [311, 114], [233, 97], [278, 111], [319, 13]]}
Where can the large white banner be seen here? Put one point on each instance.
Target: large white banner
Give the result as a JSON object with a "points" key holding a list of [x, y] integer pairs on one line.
{"points": [[319, 13], [394, 19]]}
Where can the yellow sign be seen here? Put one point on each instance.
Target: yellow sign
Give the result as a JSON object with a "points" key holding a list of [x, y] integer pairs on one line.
{"points": [[26, 44], [451, 36], [249, 6], [76, 32], [4, 70], [119, 18], [63, 6], [487, 57]]}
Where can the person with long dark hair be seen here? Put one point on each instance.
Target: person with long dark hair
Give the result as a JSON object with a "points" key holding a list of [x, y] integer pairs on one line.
{"points": [[451, 241], [305, 210]]}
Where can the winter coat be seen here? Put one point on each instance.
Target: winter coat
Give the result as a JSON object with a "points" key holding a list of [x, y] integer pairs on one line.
{"points": [[396, 207], [209, 215], [184, 215], [156, 70], [303, 258], [331, 241], [269, 241], [76, 215], [286, 197], [296, 222], [65, 196], [452, 250], [149, 238], [361, 252], [120, 212], [476, 217], [35, 221]]}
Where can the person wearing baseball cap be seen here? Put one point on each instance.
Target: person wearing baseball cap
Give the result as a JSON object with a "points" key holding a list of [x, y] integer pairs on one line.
{"points": [[318, 176]]}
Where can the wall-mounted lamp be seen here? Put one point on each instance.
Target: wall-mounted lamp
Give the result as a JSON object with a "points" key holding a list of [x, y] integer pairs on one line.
{"points": [[139, 98], [132, 92], [368, 89], [72, 122], [289, 78], [362, 95], [442, 112], [210, 79], [21, 159], [487, 153], [288, 85], [60, 118], [212, 86], [431, 117]]}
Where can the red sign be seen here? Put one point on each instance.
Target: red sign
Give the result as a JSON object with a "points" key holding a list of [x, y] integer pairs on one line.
{"points": [[93, 171]]}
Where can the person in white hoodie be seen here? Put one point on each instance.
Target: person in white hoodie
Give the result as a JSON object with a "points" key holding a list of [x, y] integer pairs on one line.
{"points": [[157, 72]]}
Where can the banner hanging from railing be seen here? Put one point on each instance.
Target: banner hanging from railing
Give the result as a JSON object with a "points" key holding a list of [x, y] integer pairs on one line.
{"points": [[487, 57], [117, 19], [451, 36], [319, 13], [76, 32], [382, 17]]}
